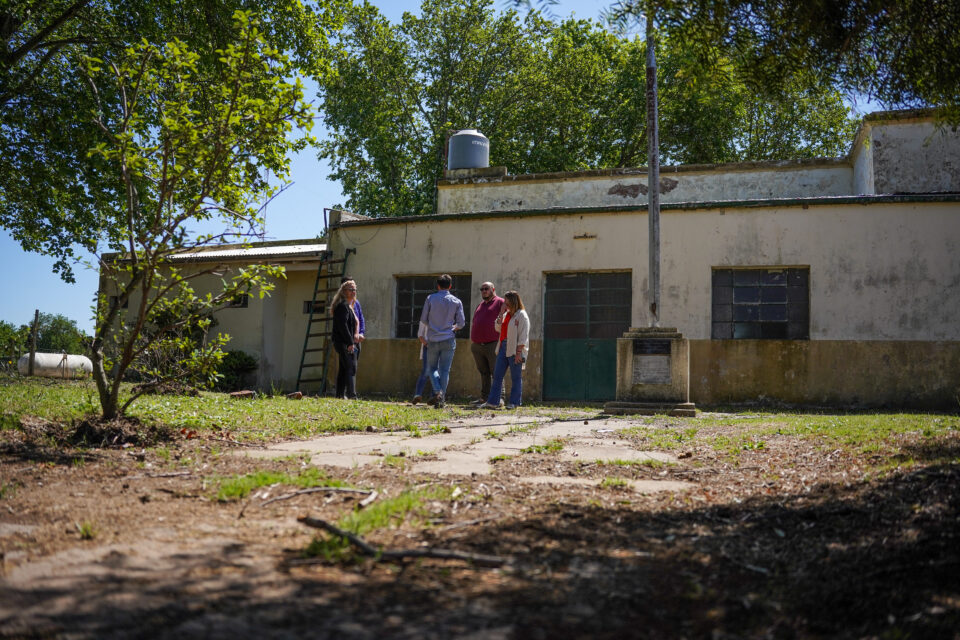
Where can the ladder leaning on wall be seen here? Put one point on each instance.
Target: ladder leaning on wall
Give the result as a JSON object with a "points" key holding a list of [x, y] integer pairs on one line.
{"points": [[320, 323]]}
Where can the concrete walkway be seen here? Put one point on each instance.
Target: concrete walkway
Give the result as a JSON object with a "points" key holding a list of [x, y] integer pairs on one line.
{"points": [[467, 446]]}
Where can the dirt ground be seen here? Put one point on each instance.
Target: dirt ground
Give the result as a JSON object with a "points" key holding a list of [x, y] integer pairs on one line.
{"points": [[792, 540]]}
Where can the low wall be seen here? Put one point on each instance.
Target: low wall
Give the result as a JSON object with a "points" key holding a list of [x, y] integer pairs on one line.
{"points": [[392, 366], [841, 373], [848, 373]]}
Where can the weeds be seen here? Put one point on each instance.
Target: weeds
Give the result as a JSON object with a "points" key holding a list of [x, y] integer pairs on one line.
{"points": [[380, 515], [86, 530], [7, 489], [614, 483], [239, 487], [550, 446], [653, 463]]}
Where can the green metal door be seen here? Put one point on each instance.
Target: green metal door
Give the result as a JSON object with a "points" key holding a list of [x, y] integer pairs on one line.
{"points": [[584, 314]]}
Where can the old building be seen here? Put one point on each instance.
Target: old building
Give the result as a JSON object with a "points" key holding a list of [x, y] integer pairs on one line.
{"points": [[832, 281], [820, 282]]}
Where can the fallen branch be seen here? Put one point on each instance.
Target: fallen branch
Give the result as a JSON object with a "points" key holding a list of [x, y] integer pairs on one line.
{"points": [[380, 555]]}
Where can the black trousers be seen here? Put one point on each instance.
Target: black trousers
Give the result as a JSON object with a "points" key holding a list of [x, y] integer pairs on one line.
{"points": [[346, 372]]}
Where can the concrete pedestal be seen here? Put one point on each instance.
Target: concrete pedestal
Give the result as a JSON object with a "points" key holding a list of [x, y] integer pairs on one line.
{"points": [[653, 373]]}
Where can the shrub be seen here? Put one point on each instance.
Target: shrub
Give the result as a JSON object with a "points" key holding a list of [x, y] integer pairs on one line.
{"points": [[233, 370]]}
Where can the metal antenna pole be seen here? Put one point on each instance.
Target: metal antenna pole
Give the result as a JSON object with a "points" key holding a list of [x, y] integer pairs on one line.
{"points": [[653, 170]]}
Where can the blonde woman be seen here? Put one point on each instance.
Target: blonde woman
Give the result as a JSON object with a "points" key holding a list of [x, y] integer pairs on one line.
{"points": [[514, 327], [345, 334]]}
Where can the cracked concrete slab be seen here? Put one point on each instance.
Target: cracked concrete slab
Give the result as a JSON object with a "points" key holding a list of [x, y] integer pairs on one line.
{"points": [[469, 444]]}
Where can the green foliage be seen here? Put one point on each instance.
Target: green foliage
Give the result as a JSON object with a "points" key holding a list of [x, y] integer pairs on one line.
{"points": [[904, 53], [662, 438], [239, 487], [183, 150], [86, 529], [379, 515], [614, 483], [54, 197], [550, 96], [653, 463], [233, 370], [551, 446], [55, 333]]}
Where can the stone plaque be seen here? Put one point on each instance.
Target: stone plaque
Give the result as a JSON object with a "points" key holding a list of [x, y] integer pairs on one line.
{"points": [[651, 347], [651, 362]]}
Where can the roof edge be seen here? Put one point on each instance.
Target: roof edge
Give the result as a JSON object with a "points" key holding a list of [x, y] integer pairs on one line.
{"points": [[675, 206]]}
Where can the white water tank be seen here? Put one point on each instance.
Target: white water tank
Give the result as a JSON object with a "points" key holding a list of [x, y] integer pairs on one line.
{"points": [[468, 149], [56, 365]]}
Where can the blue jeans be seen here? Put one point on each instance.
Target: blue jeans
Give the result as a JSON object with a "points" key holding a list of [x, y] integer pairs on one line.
{"points": [[422, 380], [439, 361], [500, 371]]}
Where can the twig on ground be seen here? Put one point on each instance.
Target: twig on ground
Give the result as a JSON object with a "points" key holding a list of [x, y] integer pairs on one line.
{"points": [[371, 496], [233, 442], [173, 474], [380, 555], [467, 523]]}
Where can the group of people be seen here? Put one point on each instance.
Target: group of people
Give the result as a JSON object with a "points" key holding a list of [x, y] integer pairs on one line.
{"points": [[499, 337]]}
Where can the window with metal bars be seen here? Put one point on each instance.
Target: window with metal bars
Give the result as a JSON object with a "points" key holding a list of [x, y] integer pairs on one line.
{"points": [[587, 305], [412, 291], [769, 303]]}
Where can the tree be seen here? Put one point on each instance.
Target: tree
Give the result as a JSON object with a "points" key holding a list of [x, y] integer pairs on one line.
{"points": [[182, 145], [56, 332], [550, 96], [55, 198], [12, 340], [398, 90], [904, 53]]}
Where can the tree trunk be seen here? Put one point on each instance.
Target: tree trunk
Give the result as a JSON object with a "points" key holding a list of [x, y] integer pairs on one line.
{"points": [[108, 397]]}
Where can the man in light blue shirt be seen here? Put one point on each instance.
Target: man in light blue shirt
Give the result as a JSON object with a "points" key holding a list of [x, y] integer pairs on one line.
{"points": [[443, 315]]}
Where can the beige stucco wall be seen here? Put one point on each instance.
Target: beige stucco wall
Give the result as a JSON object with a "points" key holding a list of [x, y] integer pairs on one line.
{"points": [[915, 157], [678, 184], [878, 271]]}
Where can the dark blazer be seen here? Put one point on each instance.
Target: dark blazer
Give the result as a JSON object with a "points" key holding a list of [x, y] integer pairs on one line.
{"points": [[344, 325]]}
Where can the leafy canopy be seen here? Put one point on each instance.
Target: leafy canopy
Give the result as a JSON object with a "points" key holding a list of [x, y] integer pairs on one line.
{"points": [[902, 54], [56, 199], [550, 96]]}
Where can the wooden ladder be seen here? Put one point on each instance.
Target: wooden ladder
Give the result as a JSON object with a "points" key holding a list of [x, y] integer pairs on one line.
{"points": [[320, 323]]}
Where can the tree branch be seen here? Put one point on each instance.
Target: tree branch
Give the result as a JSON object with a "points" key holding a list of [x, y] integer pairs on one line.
{"points": [[380, 555]]}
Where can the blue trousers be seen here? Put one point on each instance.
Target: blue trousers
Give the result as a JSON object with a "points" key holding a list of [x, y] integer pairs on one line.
{"points": [[422, 380], [439, 361], [506, 361]]}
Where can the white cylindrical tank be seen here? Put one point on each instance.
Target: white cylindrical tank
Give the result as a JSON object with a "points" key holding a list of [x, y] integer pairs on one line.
{"points": [[56, 365]]}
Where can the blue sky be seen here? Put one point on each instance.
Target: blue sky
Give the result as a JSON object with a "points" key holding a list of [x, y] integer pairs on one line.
{"points": [[29, 282]]}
